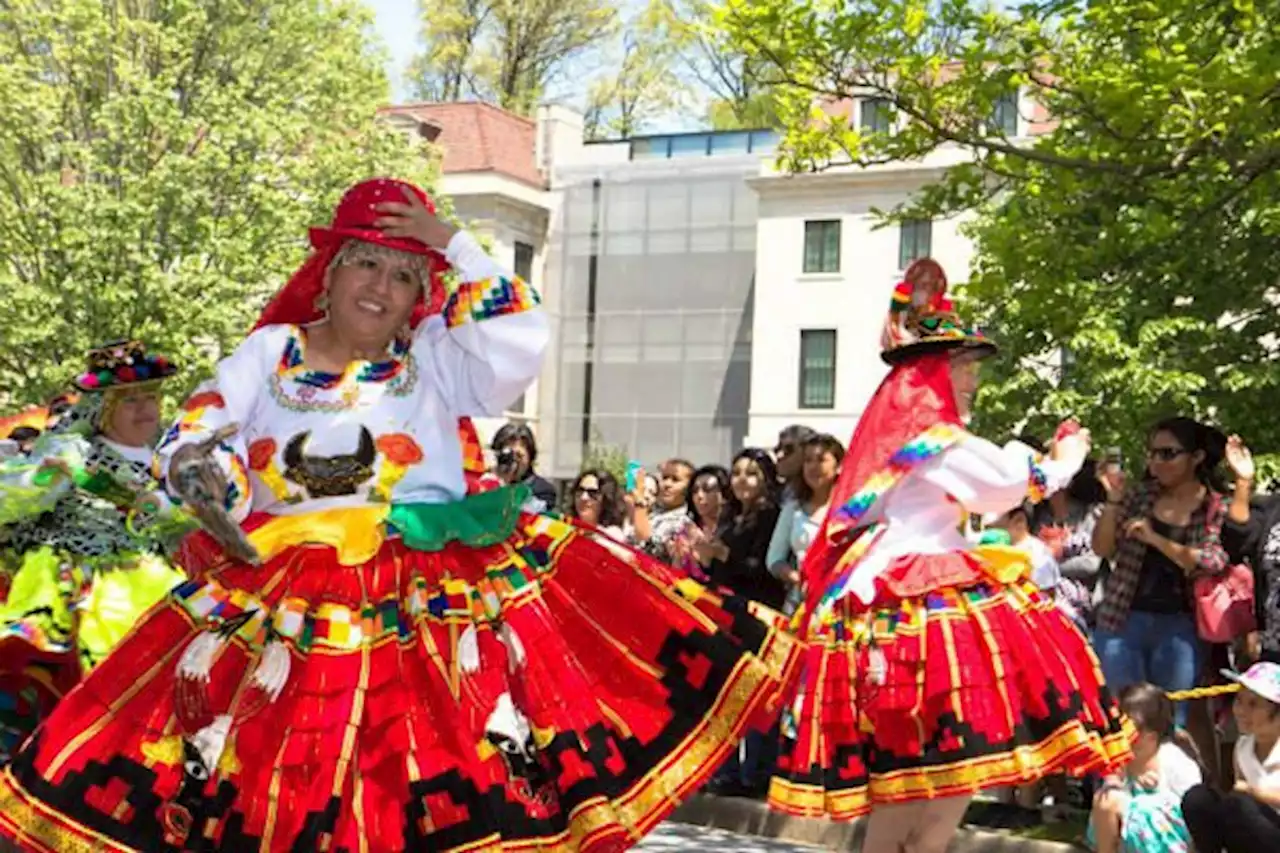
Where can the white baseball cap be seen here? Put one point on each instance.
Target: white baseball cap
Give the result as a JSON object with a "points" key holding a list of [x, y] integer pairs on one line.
{"points": [[1261, 678]]}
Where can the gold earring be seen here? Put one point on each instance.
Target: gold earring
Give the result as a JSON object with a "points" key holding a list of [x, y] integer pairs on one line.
{"points": [[322, 303]]}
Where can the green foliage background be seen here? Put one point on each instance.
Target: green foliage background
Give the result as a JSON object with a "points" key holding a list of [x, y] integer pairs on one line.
{"points": [[160, 163]]}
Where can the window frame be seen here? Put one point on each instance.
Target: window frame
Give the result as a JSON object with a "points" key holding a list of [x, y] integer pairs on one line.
{"points": [[875, 115], [804, 401], [905, 258], [1005, 111], [819, 229]]}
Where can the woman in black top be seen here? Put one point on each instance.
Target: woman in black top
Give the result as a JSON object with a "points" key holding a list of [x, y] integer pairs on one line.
{"points": [[738, 562], [738, 553]]}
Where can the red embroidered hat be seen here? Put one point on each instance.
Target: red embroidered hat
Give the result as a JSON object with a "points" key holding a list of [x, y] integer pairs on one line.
{"points": [[922, 319], [353, 219], [356, 214]]}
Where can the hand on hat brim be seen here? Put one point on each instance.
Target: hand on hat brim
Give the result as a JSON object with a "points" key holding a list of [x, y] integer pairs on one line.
{"points": [[413, 220]]}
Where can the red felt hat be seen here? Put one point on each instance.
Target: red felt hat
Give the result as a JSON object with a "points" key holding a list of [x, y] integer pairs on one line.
{"points": [[922, 319], [356, 214], [354, 219]]}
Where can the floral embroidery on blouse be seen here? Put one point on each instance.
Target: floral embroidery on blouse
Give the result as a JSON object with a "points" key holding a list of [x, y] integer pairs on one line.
{"points": [[399, 453], [262, 461], [399, 371], [394, 430]]}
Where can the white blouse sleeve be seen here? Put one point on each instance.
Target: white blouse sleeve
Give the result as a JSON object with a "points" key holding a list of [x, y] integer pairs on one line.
{"points": [[985, 478], [230, 397], [488, 346]]}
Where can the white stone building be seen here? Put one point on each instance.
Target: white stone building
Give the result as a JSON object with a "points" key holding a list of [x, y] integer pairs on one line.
{"points": [[701, 301]]}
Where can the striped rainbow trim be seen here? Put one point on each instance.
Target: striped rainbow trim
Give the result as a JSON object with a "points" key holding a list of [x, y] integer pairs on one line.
{"points": [[901, 299], [1037, 482], [474, 301], [843, 570], [915, 452], [852, 513]]}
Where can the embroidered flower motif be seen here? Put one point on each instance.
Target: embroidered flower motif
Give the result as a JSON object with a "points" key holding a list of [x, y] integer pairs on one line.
{"points": [[262, 461], [399, 452], [261, 452], [204, 400], [399, 448]]}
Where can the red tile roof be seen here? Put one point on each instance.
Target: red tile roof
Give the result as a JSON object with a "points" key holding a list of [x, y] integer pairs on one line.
{"points": [[479, 137]]}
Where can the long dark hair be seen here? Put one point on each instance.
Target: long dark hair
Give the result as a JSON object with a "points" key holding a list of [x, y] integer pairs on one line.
{"points": [[1085, 486], [721, 475], [1152, 711], [828, 444], [1195, 437], [612, 511], [768, 473]]}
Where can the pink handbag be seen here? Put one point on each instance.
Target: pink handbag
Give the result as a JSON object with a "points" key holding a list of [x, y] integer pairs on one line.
{"points": [[1224, 605]]}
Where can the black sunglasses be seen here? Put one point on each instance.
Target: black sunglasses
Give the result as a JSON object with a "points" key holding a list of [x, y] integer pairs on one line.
{"points": [[591, 493], [1165, 454]]}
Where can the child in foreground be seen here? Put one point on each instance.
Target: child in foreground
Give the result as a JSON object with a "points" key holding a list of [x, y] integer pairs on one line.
{"points": [[1140, 811], [1246, 820]]}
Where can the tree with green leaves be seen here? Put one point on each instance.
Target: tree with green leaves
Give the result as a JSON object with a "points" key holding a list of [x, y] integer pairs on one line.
{"points": [[736, 83], [160, 164], [506, 52], [640, 83], [450, 67], [603, 456], [1127, 225]]}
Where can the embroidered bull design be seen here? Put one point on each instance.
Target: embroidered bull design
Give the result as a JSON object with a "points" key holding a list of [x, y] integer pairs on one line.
{"points": [[329, 476], [509, 734], [190, 808]]}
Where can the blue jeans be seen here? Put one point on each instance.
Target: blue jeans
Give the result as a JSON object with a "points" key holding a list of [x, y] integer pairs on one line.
{"points": [[1161, 648]]}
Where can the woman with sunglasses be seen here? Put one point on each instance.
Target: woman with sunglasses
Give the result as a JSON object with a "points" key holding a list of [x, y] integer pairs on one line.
{"points": [[1159, 536], [595, 499]]}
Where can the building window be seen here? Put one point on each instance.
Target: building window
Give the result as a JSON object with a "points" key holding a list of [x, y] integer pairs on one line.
{"points": [[818, 369], [522, 263], [875, 116], [1004, 118], [822, 246], [915, 241]]}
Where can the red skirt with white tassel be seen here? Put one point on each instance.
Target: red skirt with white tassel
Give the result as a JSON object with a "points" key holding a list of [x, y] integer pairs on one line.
{"points": [[544, 692]]}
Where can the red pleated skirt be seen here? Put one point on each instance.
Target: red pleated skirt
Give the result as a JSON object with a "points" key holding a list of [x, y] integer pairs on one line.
{"points": [[543, 693], [957, 678]]}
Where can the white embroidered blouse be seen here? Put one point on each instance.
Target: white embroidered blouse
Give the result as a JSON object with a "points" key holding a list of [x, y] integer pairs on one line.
{"points": [[380, 431], [922, 514]]}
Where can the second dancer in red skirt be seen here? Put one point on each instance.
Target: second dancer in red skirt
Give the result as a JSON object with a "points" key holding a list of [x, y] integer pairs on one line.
{"points": [[933, 670]]}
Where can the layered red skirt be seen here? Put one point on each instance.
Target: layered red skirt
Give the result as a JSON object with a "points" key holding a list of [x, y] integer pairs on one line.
{"points": [[542, 693], [960, 676]]}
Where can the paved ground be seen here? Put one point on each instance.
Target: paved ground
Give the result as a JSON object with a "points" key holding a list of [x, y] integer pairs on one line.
{"points": [[682, 838]]}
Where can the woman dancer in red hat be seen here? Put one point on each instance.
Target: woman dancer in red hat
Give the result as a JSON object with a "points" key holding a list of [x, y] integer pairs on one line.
{"points": [[372, 659], [931, 670]]}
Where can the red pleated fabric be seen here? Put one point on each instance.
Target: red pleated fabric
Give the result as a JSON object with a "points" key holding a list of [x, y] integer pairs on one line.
{"points": [[394, 729]]}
